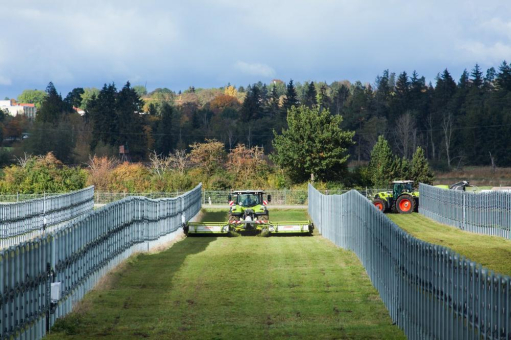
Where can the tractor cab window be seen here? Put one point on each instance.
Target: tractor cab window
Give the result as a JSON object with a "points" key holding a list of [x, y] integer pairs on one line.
{"points": [[408, 187], [399, 188], [248, 200]]}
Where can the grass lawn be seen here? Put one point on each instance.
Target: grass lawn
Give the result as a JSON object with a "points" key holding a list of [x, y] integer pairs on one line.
{"points": [[248, 287], [491, 251]]}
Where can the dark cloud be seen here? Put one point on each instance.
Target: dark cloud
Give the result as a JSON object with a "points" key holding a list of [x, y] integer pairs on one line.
{"points": [[206, 43]]}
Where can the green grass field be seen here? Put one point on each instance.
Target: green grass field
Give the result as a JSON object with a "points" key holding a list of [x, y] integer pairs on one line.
{"points": [[248, 287], [491, 251]]}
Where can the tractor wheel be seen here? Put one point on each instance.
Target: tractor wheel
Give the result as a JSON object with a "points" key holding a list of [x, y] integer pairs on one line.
{"points": [[405, 204], [380, 204]]}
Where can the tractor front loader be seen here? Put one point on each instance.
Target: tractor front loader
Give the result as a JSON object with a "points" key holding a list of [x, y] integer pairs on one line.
{"points": [[248, 214]]}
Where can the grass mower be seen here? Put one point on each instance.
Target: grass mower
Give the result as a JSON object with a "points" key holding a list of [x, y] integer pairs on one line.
{"points": [[248, 214]]}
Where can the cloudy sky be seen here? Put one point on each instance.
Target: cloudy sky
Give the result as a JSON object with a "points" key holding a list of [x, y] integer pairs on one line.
{"points": [[203, 43]]}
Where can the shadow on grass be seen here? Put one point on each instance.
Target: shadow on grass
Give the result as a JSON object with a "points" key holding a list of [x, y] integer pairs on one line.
{"points": [[215, 216], [129, 292], [292, 235]]}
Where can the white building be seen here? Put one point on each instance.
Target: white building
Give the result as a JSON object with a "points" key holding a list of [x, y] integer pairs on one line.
{"points": [[13, 108]]}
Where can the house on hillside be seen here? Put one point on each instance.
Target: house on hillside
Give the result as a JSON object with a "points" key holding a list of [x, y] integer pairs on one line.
{"points": [[13, 108], [81, 112]]}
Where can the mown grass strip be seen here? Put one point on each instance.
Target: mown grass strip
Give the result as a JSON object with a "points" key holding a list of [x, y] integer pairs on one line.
{"points": [[492, 252], [235, 288]]}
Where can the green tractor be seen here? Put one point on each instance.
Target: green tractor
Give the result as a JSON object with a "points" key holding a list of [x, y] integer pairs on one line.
{"points": [[248, 214], [248, 206], [402, 199]]}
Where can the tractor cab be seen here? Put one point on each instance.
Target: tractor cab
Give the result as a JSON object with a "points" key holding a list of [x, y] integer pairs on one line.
{"points": [[401, 187], [248, 198]]}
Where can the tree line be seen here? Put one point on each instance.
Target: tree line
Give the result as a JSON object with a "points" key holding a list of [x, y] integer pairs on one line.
{"points": [[454, 122]]}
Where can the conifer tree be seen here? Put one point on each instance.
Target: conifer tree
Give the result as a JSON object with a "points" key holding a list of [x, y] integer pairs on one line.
{"points": [[381, 163], [310, 95], [101, 110], [420, 172], [340, 97], [273, 102], [164, 133], [132, 133], [504, 77], [252, 106], [52, 107], [477, 76], [290, 100], [464, 80], [489, 79], [323, 99]]}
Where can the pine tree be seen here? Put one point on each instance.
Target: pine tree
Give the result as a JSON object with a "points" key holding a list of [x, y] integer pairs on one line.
{"points": [[489, 79], [273, 103], [310, 96], [400, 102], [340, 97], [504, 77], [402, 86], [382, 95], [323, 99], [420, 172], [164, 136], [152, 110], [290, 100], [381, 163], [52, 108], [477, 76], [252, 108], [464, 80], [399, 169], [103, 118], [132, 133]]}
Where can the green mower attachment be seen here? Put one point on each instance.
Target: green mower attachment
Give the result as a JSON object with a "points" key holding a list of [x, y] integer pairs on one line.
{"points": [[248, 214], [206, 228], [249, 227]]}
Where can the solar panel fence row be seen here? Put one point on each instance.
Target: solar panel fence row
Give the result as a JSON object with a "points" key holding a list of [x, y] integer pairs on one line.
{"points": [[486, 213], [19, 197], [78, 254], [24, 217], [430, 291]]}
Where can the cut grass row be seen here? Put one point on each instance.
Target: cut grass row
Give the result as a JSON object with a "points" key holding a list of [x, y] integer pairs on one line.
{"points": [[236, 288], [492, 252]]}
